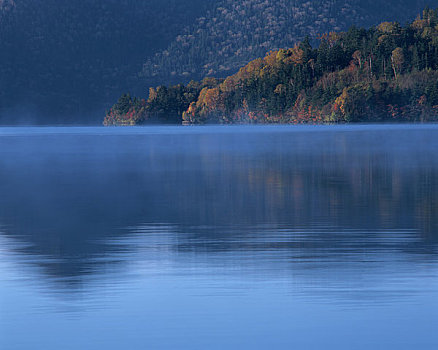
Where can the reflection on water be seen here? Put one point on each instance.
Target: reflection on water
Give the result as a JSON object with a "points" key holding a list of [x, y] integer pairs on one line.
{"points": [[216, 237]]}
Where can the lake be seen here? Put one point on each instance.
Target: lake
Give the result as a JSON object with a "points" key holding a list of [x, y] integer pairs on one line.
{"points": [[215, 237]]}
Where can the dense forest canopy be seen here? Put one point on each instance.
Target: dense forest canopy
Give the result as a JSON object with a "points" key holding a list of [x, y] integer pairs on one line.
{"points": [[61, 58], [235, 32], [387, 72], [67, 60]]}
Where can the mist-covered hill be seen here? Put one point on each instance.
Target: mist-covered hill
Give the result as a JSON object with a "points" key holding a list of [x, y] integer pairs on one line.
{"points": [[67, 60]]}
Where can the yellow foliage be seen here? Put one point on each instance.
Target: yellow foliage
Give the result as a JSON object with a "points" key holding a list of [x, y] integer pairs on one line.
{"points": [[398, 55], [229, 84], [192, 108], [427, 32], [152, 94], [419, 24], [209, 81], [296, 55], [331, 38], [388, 27], [189, 115], [271, 58], [341, 102], [253, 68], [397, 60], [208, 99], [382, 38], [357, 57], [201, 97], [281, 55]]}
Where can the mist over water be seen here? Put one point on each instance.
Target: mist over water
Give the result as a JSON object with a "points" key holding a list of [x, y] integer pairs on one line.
{"points": [[215, 237]]}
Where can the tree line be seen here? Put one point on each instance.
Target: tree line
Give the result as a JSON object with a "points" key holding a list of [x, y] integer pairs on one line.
{"points": [[387, 72]]}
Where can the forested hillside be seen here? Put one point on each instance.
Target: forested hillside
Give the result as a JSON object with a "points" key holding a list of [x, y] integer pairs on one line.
{"points": [[61, 58], [66, 61], [236, 32], [388, 72]]}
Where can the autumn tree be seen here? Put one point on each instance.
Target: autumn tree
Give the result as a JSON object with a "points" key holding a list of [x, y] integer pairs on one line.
{"points": [[397, 60]]}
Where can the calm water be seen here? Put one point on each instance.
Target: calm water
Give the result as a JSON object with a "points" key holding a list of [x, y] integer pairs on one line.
{"points": [[219, 238]]}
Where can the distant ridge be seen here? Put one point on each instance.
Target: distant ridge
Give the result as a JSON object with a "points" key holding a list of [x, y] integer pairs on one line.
{"points": [[236, 32]]}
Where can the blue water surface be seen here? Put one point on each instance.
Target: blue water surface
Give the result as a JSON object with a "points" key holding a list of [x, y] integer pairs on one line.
{"points": [[219, 237]]}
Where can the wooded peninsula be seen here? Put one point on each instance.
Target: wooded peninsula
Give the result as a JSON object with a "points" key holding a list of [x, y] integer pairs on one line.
{"points": [[384, 73]]}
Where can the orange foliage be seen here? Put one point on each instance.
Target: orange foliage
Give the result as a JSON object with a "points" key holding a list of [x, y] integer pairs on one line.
{"points": [[296, 55]]}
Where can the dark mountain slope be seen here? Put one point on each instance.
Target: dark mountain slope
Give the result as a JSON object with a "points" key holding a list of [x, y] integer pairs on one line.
{"points": [[239, 31], [68, 57]]}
